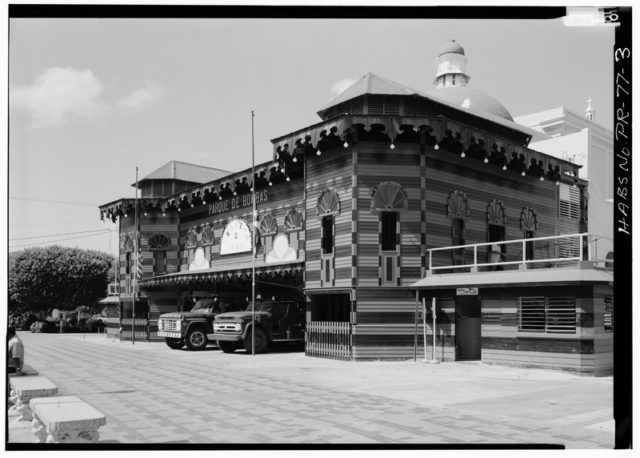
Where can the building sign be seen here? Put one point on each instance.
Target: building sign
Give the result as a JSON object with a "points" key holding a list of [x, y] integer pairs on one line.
{"points": [[236, 238], [466, 291], [237, 202]]}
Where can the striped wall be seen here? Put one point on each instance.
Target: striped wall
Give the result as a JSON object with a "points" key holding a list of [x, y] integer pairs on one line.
{"points": [[334, 170], [587, 351]]}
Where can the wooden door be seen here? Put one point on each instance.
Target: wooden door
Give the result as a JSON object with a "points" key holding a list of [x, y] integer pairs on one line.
{"points": [[468, 335]]}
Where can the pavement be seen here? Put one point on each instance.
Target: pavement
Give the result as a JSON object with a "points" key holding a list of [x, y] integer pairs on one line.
{"points": [[151, 394]]}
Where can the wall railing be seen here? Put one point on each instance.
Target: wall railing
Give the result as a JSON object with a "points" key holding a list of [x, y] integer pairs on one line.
{"points": [[530, 253]]}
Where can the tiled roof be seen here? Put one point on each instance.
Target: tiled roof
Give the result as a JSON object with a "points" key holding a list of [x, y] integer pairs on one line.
{"points": [[370, 84], [176, 170]]}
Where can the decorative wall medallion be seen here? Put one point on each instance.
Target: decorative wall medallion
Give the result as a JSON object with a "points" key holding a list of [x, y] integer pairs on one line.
{"points": [[528, 219], [389, 196], [293, 220], [496, 214], [328, 202], [458, 205], [268, 225]]}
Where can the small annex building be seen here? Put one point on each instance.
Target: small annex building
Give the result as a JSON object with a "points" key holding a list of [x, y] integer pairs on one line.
{"points": [[395, 195]]}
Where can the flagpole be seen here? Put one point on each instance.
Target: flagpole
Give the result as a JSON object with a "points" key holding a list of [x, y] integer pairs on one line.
{"points": [[135, 277], [253, 243]]}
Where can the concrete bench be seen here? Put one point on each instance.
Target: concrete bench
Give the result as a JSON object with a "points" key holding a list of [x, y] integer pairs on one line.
{"points": [[65, 419], [23, 389]]}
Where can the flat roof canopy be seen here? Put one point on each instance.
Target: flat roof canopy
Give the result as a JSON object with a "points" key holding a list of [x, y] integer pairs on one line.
{"points": [[530, 277]]}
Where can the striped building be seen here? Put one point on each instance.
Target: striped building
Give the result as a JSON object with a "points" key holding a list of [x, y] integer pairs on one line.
{"points": [[395, 202]]}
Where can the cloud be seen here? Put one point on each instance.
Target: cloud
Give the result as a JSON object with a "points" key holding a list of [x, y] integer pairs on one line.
{"points": [[341, 85], [140, 98], [59, 94]]}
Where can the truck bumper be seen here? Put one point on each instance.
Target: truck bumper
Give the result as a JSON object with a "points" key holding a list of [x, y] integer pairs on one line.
{"points": [[227, 337], [173, 335]]}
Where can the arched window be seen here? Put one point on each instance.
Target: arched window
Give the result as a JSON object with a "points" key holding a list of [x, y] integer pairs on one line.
{"points": [[158, 245]]}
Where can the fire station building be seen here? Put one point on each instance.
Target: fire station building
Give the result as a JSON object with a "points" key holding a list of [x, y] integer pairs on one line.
{"points": [[394, 199]]}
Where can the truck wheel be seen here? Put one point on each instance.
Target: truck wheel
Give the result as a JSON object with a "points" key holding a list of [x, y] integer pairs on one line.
{"points": [[174, 343], [196, 339], [261, 341], [227, 347]]}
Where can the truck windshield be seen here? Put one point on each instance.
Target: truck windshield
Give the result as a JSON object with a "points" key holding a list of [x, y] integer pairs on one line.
{"points": [[204, 305], [261, 306]]}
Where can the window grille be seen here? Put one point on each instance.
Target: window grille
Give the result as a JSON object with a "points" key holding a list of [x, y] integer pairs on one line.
{"points": [[547, 314], [608, 313], [569, 201], [531, 314]]}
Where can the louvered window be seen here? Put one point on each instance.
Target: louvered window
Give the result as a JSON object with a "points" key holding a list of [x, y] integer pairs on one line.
{"points": [[357, 106], [608, 313], [547, 314], [392, 106], [569, 201], [569, 247]]}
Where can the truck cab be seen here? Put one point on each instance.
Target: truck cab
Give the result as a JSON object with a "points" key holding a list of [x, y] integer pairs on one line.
{"points": [[275, 321]]}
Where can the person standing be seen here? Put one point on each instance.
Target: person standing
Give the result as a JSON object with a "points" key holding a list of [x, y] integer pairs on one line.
{"points": [[15, 352]]}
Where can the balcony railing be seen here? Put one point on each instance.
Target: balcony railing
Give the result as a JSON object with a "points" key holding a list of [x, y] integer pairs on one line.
{"points": [[530, 253]]}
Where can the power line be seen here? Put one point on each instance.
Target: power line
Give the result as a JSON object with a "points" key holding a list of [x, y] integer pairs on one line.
{"points": [[53, 223], [60, 240], [53, 201], [58, 235]]}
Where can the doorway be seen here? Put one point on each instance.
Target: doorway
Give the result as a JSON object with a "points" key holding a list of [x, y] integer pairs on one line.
{"points": [[468, 329]]}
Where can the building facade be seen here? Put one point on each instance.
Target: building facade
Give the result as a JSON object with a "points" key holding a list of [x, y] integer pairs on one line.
{"points": [[394, 196]]}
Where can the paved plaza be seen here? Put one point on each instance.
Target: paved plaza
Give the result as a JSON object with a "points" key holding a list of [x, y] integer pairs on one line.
{"points": [[151, 394]]}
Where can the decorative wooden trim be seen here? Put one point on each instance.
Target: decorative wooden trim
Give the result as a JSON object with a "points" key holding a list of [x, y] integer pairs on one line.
{"points": [[328, 203], [293, 221], [496, 214], [389, 196], [159, 242], [268, 225], [458, 205], [528, 219]]}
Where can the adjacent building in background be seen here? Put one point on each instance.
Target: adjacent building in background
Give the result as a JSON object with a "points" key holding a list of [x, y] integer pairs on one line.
{"points": [[396, 196], [578, 138]]}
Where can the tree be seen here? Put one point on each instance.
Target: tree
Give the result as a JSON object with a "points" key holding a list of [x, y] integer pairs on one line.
{"points": [[41, 279]]}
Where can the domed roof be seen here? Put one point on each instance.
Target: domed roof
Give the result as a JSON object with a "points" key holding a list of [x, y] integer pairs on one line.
{"points": [[451, 47], [472, 100]]}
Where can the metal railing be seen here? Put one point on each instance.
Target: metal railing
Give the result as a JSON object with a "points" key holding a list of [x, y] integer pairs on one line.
{"points": [[537, 252], [328, 339]]}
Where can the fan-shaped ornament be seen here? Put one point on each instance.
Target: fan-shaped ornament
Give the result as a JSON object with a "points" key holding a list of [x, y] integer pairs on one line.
{"points": [[388, 196], [159, 242], [458, 205], [192, 238], [207, 235], [328, 203], [496, 214], [528, 219], [128, 243], [268, 225], [293, 220]]}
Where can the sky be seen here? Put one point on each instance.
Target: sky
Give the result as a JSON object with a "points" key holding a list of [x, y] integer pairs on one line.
{"points": [[92, 99]]}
